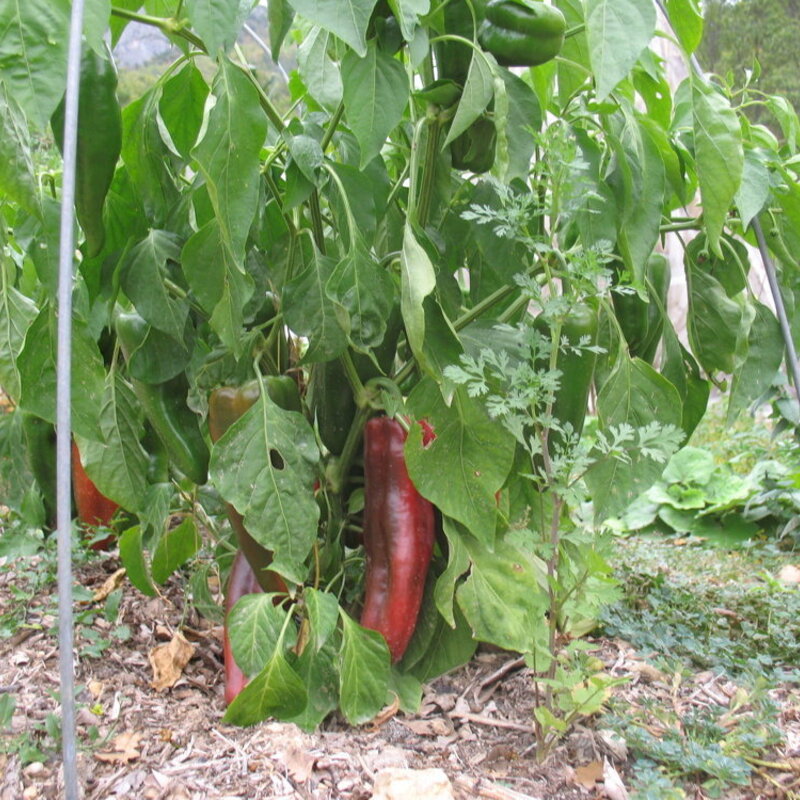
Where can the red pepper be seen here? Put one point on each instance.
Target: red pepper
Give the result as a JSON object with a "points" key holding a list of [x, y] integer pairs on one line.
{"points": [[94, 509], [241, 581], [399, 531]]}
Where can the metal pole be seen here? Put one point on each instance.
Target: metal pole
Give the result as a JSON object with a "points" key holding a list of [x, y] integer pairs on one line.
{"points": [[63, 408]]}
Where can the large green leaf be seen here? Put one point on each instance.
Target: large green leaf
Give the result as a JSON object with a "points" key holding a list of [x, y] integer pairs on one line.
{"points": [[33, 54], [17, 178], [116, 462], [320, 73], [318, 670], [505, 598], [309, 312], [754, 191], [254, 625], [323, 614], [142, 276], [347, 19], [17, 314], [218, 22], [514, 128], [617, 32], [467, 462], [37, 370], [181, 107], [131, 554], [417, 281], [718, 155], [376, 92], [477, 94], [364, 671], [265, 465], [228, 155], [763, 356], [175, 547], [686, 18]]}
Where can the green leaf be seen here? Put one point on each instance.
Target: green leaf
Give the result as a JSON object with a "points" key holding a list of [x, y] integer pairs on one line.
{"points": [[17, 177], [505, 598], [265, 465], [218, 22], [220, 284], [524, 116], [37, 372], [376, 92], [183, 99], [33, 54], [309, 312], [754, 191], [417, 281], [228, 155], [686, 18], [17, 314], [364, 292], [347, 19], [457, 565], [408, 13], [323, 613], [277, 691], [719, 156], [254, 625], [364, 671], [690, 465], [158, 358], [477, 94], [280, 15], [116, 462], [95, 23], [131, 553], [320, 73], [713, 321], [762, 360], [142, 275], [317, 668], [174, 549], [681, 369], [470, 449], [617, 32]]}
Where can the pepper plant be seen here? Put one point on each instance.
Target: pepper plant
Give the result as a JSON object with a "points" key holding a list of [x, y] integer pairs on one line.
{"points": [[453, 225]]}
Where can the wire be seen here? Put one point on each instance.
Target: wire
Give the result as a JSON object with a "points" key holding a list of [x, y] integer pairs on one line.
{"points": [[63, 409]]}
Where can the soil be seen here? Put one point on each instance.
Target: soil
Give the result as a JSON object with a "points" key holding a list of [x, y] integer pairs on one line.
{"points": [[471, 738]]}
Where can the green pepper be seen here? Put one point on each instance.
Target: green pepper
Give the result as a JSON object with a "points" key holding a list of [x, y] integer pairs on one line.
{"points": [[453, 58], [330, 398], [642, 322], [474, 149], [577, 369], [99, 143], [40, 446], [522, 33], [225, 405], [164, 405]]}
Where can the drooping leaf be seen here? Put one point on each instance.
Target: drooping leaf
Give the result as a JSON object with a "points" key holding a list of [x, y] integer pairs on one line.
{"points": [[175, 547], [376, 92], [617, 32], [317, 668], [218, 22], [364, 671], [320, 73], [265, 466], [254, 627], [417, 281], [473, 451], [17, 314], [754, 191], [181, 107], [323, 613], [718, 155], [348, 19], [131, 553], [478, 92], [17, 178], [686, 18]]}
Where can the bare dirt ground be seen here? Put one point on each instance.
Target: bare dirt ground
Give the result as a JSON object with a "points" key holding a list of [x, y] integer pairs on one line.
{"points": [[474, 726]]}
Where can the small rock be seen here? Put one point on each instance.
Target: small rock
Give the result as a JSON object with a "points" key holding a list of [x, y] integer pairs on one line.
{"points": [[401, 784], [33, 769]]}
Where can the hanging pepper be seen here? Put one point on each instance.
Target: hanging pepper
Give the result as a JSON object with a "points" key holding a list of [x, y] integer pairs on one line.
{"points": [[474, 149], [241, 581], [399, 532], [94, 508], [225, 406], [164, 405], [577, 369], [643, 322], [522, 33], [99, 143]]}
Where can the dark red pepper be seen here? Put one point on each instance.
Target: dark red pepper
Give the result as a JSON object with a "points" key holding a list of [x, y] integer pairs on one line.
{"points": [[241, 581], [94, 508], [399, 532]]}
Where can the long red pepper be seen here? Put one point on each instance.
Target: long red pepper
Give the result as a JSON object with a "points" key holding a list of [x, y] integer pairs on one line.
{"points": [[241, 581], [399, 532]]}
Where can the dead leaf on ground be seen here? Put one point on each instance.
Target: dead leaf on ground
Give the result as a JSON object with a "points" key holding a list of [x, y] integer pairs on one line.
{"points": [[428, 727], [789, 574], [125, 749], [299, 763], [168, 661], [589, 774], [612, 783], [385, 714], [111, 584]]}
